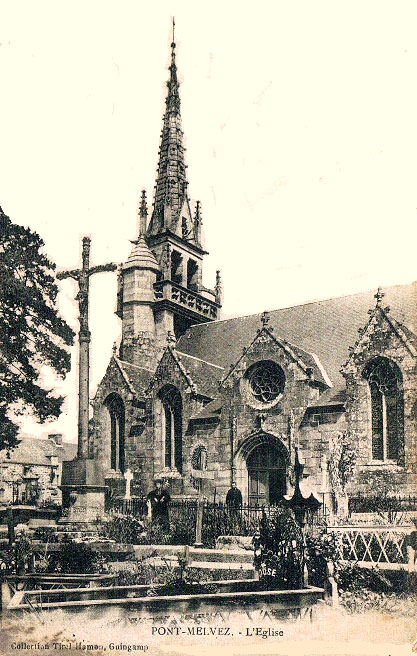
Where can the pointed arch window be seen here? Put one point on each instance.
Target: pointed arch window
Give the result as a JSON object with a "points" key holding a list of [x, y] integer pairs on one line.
{"points": [[172, 426], [116, 409], [387, 408]]}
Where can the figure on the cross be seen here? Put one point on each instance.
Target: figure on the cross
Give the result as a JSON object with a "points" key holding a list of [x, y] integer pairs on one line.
{"points": [[82, 277]]}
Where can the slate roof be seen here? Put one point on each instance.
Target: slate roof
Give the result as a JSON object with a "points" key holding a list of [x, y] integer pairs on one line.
{"points": [[210, 411], [326, 328], [141, 257], [138, 377], [204, 375], [330, 397], [37, 451]]}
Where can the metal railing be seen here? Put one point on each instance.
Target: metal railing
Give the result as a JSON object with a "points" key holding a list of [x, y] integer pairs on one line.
{"points": [[220, 518], [362, 504]]}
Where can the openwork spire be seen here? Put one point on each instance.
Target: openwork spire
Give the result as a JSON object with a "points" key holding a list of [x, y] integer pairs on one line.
{"points": [[171, 182]]}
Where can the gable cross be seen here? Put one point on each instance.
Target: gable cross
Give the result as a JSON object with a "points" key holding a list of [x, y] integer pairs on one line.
{"points": [[82, 277], [379, 296], [265, 318], [171, 340]]}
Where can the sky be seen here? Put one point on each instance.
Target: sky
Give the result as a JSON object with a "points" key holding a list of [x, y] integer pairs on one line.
{"points": [[300, 128]]}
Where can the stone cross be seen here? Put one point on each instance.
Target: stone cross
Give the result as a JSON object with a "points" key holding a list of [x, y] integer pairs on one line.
{"points": [[82, 277], [171, 339], [200, 475], [128, 478], [379, 296]]}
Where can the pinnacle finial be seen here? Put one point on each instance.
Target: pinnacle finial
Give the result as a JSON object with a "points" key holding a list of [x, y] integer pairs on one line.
{"points": [[114, 348], [173, 32], [143, 210], [197, 222], [198, 219], [143, 213], [219, 288], [379, 296]]}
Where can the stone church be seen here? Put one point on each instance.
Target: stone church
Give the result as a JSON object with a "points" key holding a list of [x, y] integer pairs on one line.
{"points": [[333, 379]]}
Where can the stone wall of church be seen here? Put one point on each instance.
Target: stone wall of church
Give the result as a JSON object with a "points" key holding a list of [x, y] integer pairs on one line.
{"points": [[243, 422], [400, 477], [319, 429], [293, 419]]}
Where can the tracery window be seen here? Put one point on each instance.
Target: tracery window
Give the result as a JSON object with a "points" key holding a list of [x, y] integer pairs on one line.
{"points": [[116, 409], [172, 426], [387, 408], [266, 381]]}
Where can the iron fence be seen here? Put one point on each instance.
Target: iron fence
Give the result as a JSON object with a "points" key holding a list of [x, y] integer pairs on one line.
{"points": [[218, 518], [373, 504]]}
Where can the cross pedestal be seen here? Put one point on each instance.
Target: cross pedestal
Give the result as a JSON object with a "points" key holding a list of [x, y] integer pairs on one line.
{"points": [[84, 489], [128, 478], [200, 475]]}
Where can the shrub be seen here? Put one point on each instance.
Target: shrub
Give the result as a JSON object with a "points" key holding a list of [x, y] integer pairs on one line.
{"points": [[319, 550], [281, 545], [75, 558], [364, 600], [45, 534], [123, 529]]}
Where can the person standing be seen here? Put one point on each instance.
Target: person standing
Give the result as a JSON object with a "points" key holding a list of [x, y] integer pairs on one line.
{"points": [[234, 497], [158, 501]]}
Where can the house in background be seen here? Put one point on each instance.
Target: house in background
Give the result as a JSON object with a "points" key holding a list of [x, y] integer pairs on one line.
{"points": [[32, 474]]}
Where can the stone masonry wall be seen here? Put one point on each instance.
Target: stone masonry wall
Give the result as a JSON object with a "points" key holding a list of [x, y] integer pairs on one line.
{"points": [[397, 478]]}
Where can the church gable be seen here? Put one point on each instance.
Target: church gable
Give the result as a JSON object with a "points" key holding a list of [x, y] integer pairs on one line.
{"points": [[381, 394], [171, 370], [325, 328], [266, 346], [115, 380], [381, 336]]}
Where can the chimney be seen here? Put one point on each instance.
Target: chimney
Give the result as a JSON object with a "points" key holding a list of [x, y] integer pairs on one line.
{"points": [[56, 437]]}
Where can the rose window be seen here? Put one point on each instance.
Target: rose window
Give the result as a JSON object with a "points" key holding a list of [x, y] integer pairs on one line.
{"points": [[266, 381]]}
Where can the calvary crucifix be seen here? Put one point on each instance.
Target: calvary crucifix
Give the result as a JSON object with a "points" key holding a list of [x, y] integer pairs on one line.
{"points": [[82, 276]]}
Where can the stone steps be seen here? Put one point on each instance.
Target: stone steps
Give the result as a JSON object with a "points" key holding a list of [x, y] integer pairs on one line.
{"points": [[205, 564], [196, 554]]}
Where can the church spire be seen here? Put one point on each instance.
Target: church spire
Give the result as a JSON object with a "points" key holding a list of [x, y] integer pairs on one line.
{"points": [[171, 201]]}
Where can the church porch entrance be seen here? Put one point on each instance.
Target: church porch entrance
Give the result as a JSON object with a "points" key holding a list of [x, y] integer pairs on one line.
{"points": [[266, 476], [261, 464]]}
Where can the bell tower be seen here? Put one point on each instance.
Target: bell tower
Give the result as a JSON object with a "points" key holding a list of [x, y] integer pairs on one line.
{"points": [[161, 285], [174, 231]]}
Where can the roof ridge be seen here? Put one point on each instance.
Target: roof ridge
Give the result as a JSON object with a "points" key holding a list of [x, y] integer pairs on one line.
{"points": [[136, 366], [303, 303], [193, 357]]}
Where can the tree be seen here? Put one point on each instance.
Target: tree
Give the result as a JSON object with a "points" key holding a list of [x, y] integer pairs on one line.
{"points": [[31, 332]]}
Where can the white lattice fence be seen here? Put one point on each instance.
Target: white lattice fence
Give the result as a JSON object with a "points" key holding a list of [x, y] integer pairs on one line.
{"points": [[388, 547]]}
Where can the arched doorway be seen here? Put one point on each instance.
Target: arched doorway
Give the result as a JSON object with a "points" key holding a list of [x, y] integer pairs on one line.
{"points": [[266, 468]]}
